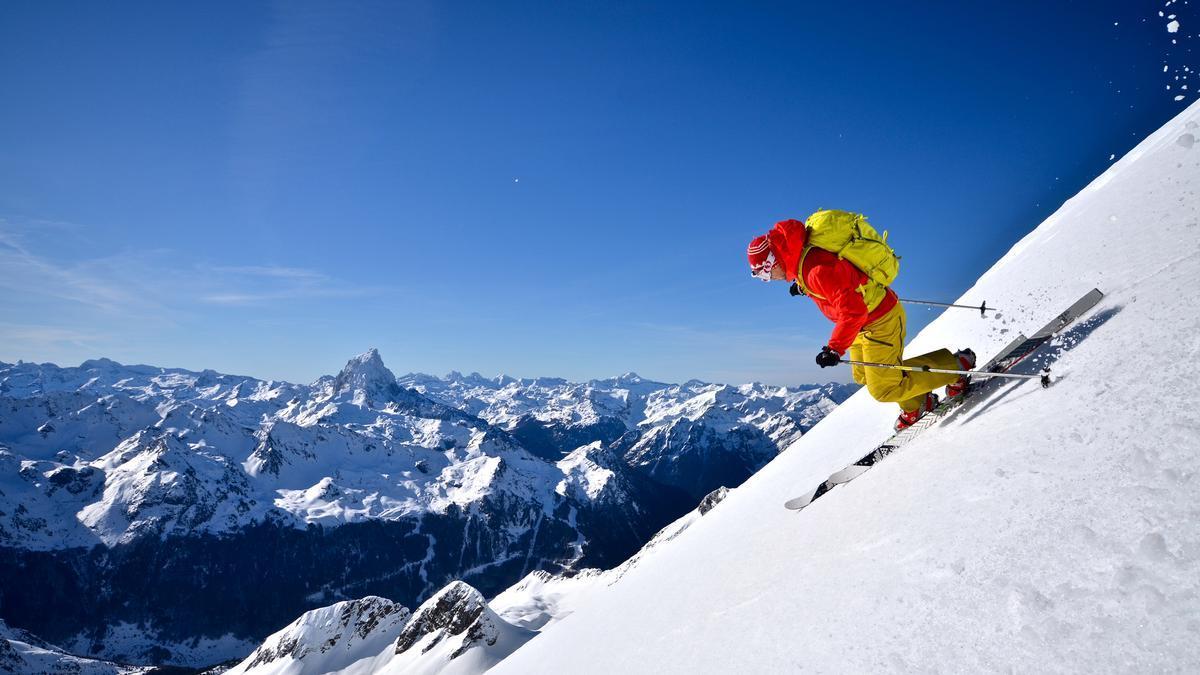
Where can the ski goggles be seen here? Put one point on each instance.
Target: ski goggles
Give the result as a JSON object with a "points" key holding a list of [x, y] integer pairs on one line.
{"points": [[763, 269]]}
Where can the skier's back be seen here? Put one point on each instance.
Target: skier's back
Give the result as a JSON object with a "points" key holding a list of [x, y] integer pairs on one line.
{"points": [[869, 321]]}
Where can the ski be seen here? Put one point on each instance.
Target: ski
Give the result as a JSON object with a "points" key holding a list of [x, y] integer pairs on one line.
{"points": [[1012, 354]]}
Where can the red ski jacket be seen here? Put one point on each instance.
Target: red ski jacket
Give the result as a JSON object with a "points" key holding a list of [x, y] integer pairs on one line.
{"points": [[833, 283], [837, 281]]}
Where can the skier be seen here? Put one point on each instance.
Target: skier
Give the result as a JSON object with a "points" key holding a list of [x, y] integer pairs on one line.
{"points": [[869, 321]]}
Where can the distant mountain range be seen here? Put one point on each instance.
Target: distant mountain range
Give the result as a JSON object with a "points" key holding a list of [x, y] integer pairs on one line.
{"points": [[154, 515]]}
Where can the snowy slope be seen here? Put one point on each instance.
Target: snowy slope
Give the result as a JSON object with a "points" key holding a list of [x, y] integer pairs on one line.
{"points": [[542, 599], [1042, 531]]}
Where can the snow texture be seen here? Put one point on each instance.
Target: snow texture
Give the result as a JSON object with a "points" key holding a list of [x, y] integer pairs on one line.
{"points": [[1042, 530]]}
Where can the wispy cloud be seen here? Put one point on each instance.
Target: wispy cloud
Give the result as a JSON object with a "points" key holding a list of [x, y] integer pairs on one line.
{"points": [[48, 342], [274, 271], [42, 334], [283, 295], [262, 284], [148, 284], [26, 276]]}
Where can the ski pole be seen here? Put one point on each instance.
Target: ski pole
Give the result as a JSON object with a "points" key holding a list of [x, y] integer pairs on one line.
{"points": [[1045, 374], [982, 307]]}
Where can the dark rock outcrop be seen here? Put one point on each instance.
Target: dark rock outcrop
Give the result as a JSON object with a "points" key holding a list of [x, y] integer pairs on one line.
{"points": [[457, 609]]}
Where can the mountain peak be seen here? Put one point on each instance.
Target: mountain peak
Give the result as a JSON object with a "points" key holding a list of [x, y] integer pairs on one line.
{"points": [[455, 610], [367, 377], [330, 638], [369, 356], [100, 363]]}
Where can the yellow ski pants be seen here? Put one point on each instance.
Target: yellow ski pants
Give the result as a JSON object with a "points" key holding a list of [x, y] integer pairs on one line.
{"points": [[882, 341]]}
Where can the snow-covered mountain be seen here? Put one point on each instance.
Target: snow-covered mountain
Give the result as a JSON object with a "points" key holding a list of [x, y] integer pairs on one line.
{"points": [[23, 652], [1038, 530], [277, 498], [334, 638], [454, 632], [693, 436]]}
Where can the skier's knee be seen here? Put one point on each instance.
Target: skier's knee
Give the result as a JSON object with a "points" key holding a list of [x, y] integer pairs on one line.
{"points": [[885, 392]]}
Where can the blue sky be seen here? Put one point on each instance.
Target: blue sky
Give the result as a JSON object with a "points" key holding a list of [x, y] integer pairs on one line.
{"points": [[560, 189]]}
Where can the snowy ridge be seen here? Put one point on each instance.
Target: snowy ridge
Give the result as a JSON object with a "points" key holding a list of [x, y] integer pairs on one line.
{"points": [[694, 436], [634, 401], [329, 639], [21, 652], [505, 401], [1043, 530], [453, 632]]}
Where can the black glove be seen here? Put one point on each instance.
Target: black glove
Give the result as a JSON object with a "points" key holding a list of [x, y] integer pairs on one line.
{"points": [[828, 357]]}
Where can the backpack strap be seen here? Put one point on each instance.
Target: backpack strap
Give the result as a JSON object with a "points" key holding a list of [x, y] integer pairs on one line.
{"points": [[799, 287]]}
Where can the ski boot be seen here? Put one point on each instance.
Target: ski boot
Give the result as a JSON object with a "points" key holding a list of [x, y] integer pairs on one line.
{"points": [[907, 419], [966, 359]]}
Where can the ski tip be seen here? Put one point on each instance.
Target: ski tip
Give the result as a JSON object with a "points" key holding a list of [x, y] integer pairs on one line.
{"points": [[797, 503]]}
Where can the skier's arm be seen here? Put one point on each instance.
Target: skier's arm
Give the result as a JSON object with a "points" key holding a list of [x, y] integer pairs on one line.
{"points": [[838, 283], [852, 313]]}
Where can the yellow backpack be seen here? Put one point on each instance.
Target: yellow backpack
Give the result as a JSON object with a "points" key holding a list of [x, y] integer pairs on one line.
{"points": [[852, 238]]}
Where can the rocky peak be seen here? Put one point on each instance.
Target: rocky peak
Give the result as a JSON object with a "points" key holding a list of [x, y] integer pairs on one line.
{"points": [[456, 610], [712, 499], [472, 379], [367, 379]]}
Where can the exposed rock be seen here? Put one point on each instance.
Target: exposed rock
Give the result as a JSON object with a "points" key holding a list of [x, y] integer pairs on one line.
{"points": [[712, 499], [457, 610]]}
